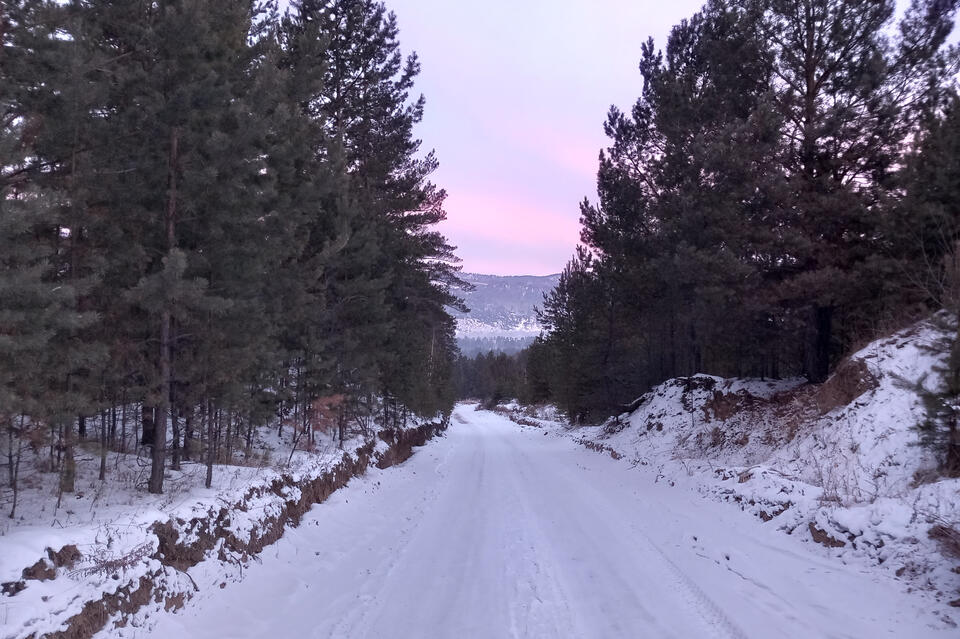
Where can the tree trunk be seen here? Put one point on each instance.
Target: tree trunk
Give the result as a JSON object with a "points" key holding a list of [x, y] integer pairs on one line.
{"points": [[166, 326], [52, 464], [952, 457], [123, 424], [608, 391], [175, 444], [12, 479], [113, 424], [673, 345], [308, 424], [158, 454], [148, 421], [818, 348], [229, 459], [187, 432], [218, 435], [68, 471], [211, 438], [952, 461], [103, 446], [14, 462]]}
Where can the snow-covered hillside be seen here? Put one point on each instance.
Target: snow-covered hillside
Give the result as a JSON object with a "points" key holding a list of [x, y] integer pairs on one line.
{"points": [[837, 464], [502, 315]]}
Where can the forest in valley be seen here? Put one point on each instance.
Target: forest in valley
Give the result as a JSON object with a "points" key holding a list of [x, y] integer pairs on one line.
{"points": [[785, 189], [214, 218]]}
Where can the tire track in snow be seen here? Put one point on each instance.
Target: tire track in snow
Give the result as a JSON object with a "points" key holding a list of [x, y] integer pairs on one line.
{"points": [[726, 628], [358, 619], [594, 506]]}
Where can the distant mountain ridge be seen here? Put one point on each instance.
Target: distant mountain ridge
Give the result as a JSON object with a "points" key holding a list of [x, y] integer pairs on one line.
{"points": [[502, 313]]}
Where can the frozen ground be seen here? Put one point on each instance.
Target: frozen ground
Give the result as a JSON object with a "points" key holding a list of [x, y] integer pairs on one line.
{"points": [[496, 530]]}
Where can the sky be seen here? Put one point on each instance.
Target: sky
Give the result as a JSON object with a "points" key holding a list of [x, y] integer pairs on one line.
{"points": [[517, 92]]}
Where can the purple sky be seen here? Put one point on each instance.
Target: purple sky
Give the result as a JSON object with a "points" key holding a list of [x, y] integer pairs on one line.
{"points": [[517, 92]]}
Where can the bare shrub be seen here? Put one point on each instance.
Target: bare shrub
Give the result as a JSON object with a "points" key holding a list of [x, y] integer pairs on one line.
{"points": [[105, 562]]}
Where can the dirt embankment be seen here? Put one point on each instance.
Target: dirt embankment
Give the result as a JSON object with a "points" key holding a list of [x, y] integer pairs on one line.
{"points": [[181, 544], [778, 418]]}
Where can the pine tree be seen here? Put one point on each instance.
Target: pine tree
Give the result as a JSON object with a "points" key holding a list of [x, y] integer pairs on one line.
{"points": [[744, 203], [924, 236], [184, 189], [388, 277], [925, 223], [534, 364], [849, 98], [39, 315], [572, 317], [217, 215], [684, 190], [53, 83]]}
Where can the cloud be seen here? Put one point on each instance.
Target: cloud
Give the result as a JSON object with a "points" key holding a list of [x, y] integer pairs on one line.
{"points": [[504, 233], [500, 216], [561, 145]]}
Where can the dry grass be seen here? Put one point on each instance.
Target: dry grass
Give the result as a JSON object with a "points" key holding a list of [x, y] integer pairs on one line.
{"points": [[104, 562]]}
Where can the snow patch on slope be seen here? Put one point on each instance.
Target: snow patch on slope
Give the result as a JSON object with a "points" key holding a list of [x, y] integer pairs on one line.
{"points": [[523, 327], [836, 464]]}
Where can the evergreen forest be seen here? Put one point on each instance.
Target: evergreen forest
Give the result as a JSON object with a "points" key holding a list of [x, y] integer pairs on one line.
{"points": [[242, 393], [213, 215], [216, 216], [785, 189]]}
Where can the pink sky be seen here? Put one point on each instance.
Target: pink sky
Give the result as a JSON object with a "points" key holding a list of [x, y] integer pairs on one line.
{"points": [[517, 92]]}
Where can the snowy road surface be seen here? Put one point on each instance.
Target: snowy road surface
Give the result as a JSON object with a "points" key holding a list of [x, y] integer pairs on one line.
{"points": [[499, 531]]}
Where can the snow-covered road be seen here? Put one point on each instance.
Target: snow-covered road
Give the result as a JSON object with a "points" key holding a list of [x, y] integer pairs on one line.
{"points": [[500, 531]]}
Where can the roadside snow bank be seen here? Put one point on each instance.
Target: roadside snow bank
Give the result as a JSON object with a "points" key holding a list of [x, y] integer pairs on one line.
{"points": [[837, 464], [128, 569]]}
